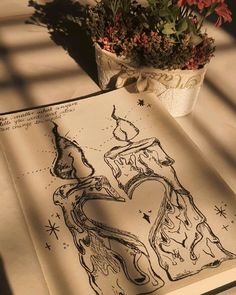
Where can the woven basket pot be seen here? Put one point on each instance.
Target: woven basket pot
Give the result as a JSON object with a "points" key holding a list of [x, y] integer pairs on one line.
{"points": [[177, 90]]}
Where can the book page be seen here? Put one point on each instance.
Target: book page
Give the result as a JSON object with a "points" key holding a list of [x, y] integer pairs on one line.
{"points": [[117, 198], [17, 252]]}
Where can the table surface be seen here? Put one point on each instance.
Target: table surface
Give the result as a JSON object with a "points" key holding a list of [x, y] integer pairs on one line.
{"points": [[34, 71]]}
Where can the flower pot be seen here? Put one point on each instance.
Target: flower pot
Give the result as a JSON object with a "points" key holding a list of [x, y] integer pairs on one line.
{"points": [[177, 90]]}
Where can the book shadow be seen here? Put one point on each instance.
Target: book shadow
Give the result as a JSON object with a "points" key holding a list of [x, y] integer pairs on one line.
{"points": [[4, 282]]}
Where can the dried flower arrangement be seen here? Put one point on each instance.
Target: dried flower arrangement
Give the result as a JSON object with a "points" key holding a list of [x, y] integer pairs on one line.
{"points": [[164, 34]]}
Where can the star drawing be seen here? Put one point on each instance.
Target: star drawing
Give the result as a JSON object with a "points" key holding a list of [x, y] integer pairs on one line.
{"points": [[47, 246], [146, 216], [225, 227], [220, 211], [141, 102], [52, 228]]}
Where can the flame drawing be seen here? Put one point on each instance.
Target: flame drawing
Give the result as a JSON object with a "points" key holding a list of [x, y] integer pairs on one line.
{"points": [[124, 130]]}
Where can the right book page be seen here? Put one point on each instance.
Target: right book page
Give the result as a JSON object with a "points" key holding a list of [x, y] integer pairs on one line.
{"points": [[117, 198]]}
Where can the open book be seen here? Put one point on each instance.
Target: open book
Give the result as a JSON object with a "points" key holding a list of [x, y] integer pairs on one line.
{"points": [[117, 199]]}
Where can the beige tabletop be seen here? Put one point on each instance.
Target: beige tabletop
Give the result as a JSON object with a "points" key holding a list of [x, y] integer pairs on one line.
{"points": [[34, 71]]}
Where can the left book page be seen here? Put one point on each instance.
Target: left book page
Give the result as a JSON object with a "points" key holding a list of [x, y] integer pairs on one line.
{"points": [[17, 253], [118, 200]]}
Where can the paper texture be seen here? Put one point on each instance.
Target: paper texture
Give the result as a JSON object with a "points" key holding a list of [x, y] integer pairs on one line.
{"points": [[17, 252], [117, 199]]}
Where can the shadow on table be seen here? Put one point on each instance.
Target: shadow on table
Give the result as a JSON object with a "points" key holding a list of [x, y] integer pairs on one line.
{"points": [[60, 17], [23, 80], [221, 289], [5, 288], [230, 27], [15, 82]]}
